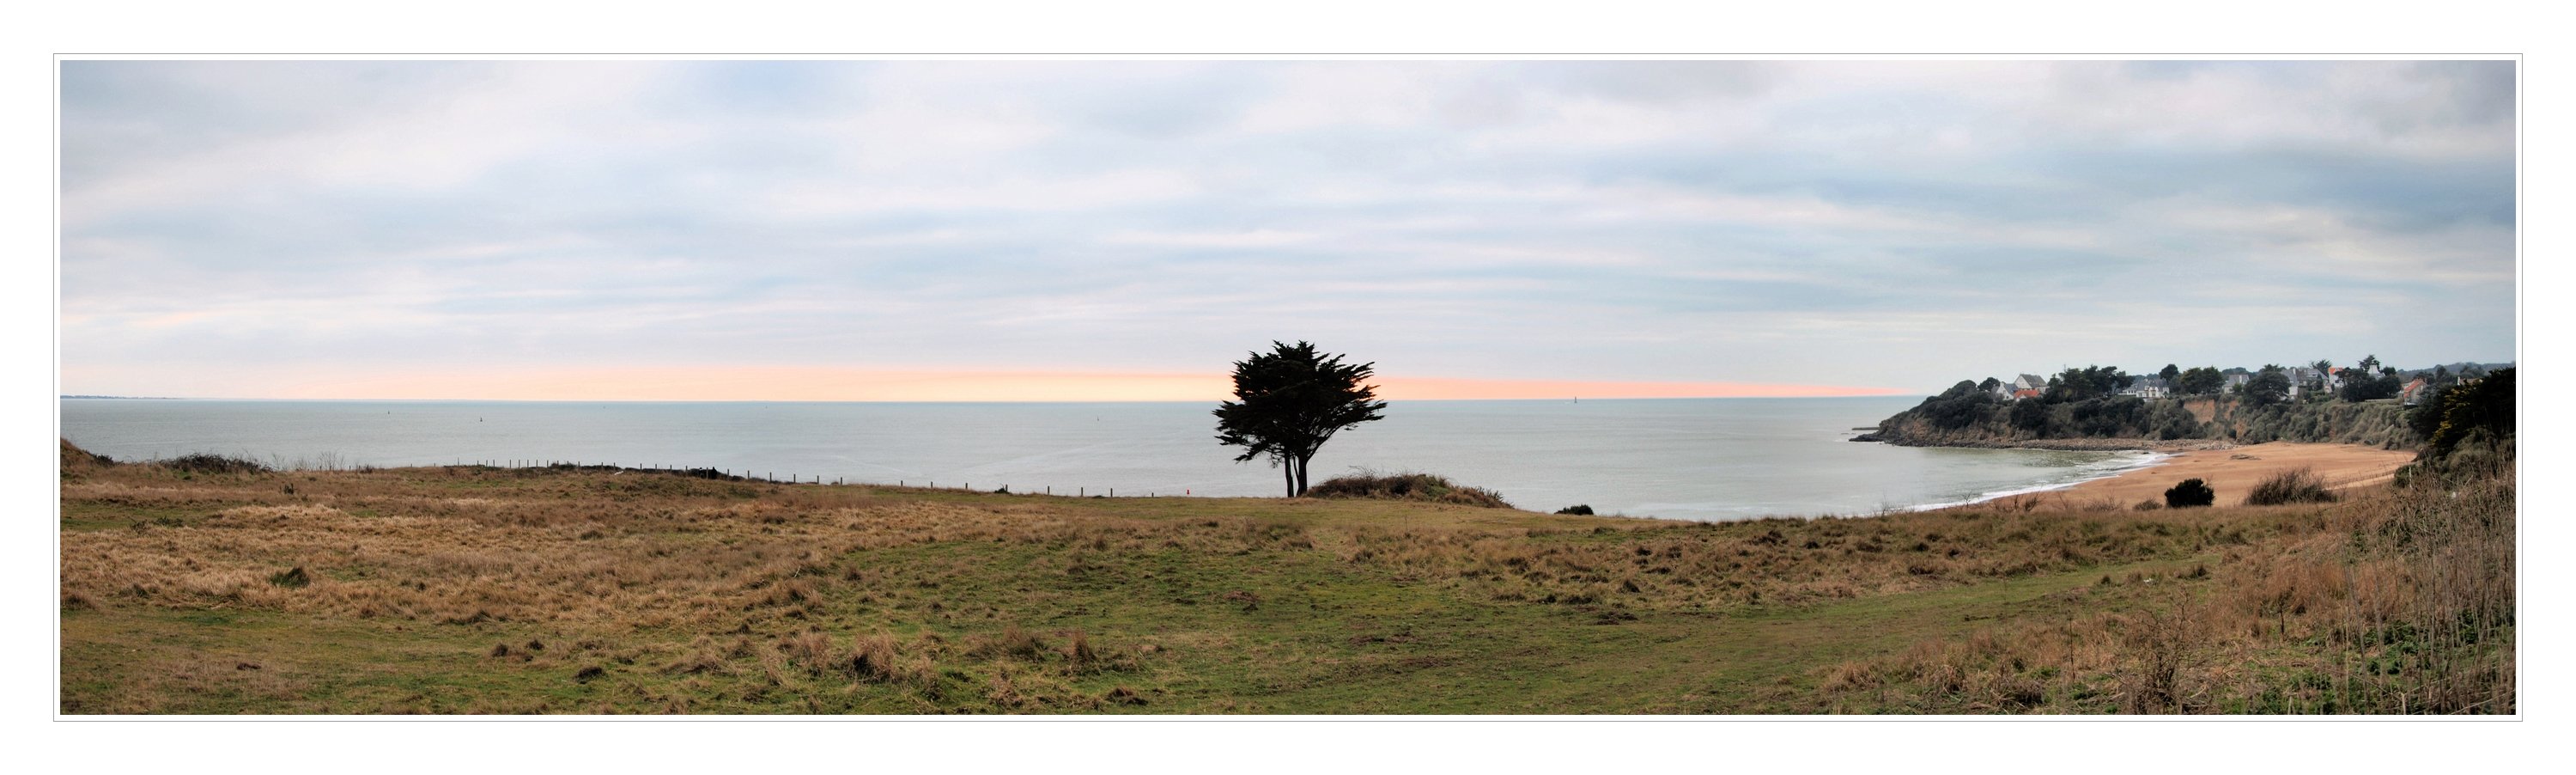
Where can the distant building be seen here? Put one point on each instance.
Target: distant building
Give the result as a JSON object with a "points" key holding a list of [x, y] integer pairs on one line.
{"points": [[2302, 380], [2413, 392], [2149, 387]]}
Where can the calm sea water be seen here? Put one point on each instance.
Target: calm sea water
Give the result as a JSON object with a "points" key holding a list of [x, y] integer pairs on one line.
{"points": [[1704, 459]]}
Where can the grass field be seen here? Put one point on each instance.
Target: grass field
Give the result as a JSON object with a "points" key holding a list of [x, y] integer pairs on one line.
{"points": [[479, 590]]}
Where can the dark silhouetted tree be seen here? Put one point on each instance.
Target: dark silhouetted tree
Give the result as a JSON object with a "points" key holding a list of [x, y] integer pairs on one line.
{"points": [[2087, 382], [2190, 492], [2200, 379], [2169, 372], [1959, 407], [1291, 400], [2269, 386], [2360, 387], [2482, 408]]}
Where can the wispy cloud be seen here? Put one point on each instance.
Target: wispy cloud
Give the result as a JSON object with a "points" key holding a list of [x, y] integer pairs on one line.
{"points": [[295, 228]]}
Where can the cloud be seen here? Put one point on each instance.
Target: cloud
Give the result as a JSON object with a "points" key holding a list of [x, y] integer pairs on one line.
{"points": [[1815, 223]]}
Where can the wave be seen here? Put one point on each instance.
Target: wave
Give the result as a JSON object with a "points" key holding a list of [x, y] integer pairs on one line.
{"points": [[2088, 472]]}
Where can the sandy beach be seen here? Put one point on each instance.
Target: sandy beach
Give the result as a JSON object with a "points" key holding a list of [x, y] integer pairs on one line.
{"points": [[2233, 471]]}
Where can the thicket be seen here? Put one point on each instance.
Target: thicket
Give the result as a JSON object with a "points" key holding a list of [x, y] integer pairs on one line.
{"points": [[1966, 412], [1410, 486], [2299, 486], [209, 463]]}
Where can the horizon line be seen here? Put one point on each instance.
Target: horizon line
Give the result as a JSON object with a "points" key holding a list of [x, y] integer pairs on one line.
{"points": [[1568, 399], [854, 385]]}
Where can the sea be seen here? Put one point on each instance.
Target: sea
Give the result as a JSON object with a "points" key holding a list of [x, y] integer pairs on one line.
{"points": [[1693, 459]]}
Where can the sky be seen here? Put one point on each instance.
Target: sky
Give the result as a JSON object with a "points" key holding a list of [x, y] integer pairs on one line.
{"points": [[1125, 230]]}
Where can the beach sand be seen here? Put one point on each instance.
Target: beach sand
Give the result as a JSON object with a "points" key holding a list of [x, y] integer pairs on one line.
{"points": [[2234, 471]]}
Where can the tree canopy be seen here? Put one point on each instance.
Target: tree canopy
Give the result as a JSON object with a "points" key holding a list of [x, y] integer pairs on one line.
{"points": [[2087, 382], [2474, 410], [2200, 379], [2269, 386], [1291, 400]]}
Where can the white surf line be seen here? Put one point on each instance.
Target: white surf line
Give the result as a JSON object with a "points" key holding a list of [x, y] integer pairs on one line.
{"points": [[2149, 460]]}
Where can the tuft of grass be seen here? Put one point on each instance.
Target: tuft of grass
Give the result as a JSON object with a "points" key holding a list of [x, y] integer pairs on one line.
{"points": [[1012, 642]]}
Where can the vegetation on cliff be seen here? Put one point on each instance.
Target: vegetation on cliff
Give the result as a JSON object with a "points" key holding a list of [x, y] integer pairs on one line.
{"points": [[1966, 415]]}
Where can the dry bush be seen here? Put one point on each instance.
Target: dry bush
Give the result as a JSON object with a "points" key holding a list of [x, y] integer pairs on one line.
{"points": [[2295, 486], [2399, 602]]}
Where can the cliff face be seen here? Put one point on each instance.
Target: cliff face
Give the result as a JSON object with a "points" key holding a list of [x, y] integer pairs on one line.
{"points": [[2129, 423], [2372, 423]]}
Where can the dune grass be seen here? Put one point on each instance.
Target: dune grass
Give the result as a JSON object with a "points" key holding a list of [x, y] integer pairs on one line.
{"points": [[476, 590]]}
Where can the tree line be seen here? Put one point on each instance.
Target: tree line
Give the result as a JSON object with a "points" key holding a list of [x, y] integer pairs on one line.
{"points": [[2088, 402]]}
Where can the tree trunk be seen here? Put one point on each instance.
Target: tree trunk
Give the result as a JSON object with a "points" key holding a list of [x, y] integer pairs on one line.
{"points": [[1301, 473], [1288, 469]]}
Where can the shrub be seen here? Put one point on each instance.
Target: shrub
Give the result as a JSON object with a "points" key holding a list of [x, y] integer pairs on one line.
{"points": [[2191, 492], [2299, 486], [1411, 487], [1578, 509], [207, 463]]}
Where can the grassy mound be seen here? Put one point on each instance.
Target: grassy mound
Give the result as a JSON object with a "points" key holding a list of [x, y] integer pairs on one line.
{"points": [[1407, 487], [75, 458], [210, 463]]}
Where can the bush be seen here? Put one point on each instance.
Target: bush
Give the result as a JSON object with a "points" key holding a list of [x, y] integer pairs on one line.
{"points": [[206, 463], [1410, 487], [2191, 492], [1579, 509], [2299, 486]]}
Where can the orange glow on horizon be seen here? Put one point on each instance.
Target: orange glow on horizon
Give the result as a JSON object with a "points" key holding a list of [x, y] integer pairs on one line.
{"points": [[803, 383]]}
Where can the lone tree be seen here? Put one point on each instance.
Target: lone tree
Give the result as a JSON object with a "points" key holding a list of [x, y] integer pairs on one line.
{"points": [[1291, 400]]}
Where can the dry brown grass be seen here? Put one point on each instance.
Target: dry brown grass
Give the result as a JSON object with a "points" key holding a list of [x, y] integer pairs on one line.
{"points": [[2397, 603], [735, 595]]}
